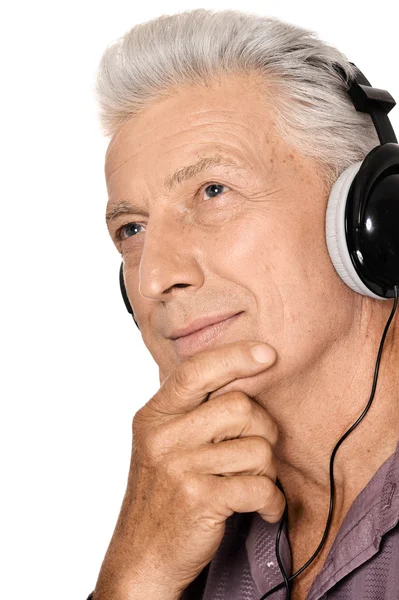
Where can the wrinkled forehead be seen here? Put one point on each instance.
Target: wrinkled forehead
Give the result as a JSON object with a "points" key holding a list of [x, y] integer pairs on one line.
{"points": [[196, 113]]}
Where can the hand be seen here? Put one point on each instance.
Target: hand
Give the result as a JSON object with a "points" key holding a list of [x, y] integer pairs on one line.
{"points": [[194, 463]]}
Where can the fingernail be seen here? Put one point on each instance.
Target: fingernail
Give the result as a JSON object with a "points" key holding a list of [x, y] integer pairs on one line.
{"points": [[262, 353]]}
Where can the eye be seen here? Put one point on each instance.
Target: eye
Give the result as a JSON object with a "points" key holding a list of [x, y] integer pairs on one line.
{"points": [[128, 227], [131, 227], [215, 185]]}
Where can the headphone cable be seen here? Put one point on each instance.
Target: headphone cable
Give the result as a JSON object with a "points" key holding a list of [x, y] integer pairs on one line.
{"points": [[278, 483]]}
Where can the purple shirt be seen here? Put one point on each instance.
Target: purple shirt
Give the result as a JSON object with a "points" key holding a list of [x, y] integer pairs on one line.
{"points": [[363, 562]]}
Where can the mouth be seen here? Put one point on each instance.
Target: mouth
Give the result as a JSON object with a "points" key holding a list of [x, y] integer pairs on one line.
{"points": [[187, 345]]}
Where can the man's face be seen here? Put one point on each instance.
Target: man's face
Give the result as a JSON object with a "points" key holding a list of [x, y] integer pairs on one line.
{"points": [[254, 244]]}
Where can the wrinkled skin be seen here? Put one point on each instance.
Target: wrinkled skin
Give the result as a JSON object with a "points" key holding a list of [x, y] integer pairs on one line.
{"points": [[257, 246]]}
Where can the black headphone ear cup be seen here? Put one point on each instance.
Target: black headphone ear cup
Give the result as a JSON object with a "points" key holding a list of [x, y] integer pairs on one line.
{"points": [[124, 294], [335, 231], [362, 223]]}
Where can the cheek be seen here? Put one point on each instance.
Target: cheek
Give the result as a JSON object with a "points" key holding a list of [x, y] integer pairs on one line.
{"points": [[275, 259], [255, 249]]}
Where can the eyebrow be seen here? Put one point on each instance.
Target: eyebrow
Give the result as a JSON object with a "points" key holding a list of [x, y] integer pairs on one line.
{"points": [[124, 207]]}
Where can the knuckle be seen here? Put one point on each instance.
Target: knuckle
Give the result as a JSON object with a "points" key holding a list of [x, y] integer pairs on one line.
{"points": [[139, 421], [241, 404], [172, 465], [266, 450], [146, 417], [186, 375], [275, 518], [140, 429], [269, 490], [152, 443], [192, 488], [280, 510]]}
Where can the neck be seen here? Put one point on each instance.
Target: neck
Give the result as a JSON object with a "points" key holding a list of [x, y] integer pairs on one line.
{"points": [[315, 411]]}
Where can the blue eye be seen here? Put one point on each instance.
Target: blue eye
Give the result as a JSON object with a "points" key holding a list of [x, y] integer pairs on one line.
{"points": [[135, 226], [123, 229], [216, 185]]}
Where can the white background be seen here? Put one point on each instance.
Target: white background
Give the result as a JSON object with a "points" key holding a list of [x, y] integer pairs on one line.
{"points": [[74, 367]]}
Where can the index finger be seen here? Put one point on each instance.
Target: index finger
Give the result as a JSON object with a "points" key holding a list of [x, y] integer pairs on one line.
{"points": [[188, 385]]}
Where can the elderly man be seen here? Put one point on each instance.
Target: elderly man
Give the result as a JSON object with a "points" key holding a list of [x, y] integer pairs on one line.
{"points": [[228, 131]]}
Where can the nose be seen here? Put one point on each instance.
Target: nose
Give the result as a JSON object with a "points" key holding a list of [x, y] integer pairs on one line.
{"points": [[169, 257]]}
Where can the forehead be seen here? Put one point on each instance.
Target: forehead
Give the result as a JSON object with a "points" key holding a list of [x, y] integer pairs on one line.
{"points": [[232, 111]]}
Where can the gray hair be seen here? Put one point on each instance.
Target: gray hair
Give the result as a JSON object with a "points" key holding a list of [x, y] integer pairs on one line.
{"points": [[307, 97]]}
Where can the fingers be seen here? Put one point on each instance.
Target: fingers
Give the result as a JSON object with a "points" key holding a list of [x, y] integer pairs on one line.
{"points": [[190, 383], [246, 493], [244, 456], [225, 417]]}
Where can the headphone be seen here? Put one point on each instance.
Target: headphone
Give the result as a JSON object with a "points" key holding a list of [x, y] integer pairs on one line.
{"points": [[362, 234], [362, 217]]}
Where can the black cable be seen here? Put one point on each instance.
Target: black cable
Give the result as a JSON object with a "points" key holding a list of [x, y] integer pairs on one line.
{"points": [[284, 517], [280, 564]]}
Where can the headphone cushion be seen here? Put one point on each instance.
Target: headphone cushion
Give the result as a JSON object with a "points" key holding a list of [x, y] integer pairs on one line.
{"points": [[335, 232]]}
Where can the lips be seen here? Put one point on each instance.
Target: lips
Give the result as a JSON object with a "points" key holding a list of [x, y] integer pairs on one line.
{"points": [[188, 345], [198, 324]]}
